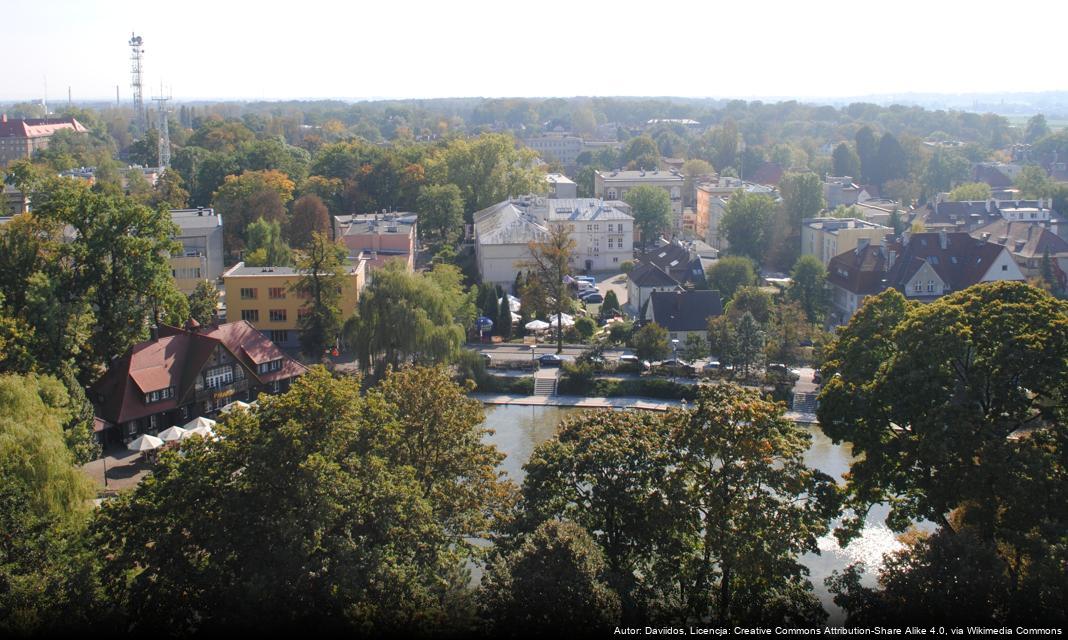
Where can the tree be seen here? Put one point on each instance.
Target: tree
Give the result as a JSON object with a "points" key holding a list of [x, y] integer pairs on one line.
{"points": [[170, 192], [722, 339], [750, 299], [606, 471], [729, 274], [970, 191], [802, 195], [695, 170], [244, 198], [365, 531], [895, 222], [1033, 182], [745, 224], [585, 327], [694, 347], [891, 161], [787, 326], [310, 216], [944, 170], [321, 281], [808, 287], [487, 169], [410, 318], [204, 302], [610, 307], [867, 149], [503, 323], [441, 211], [937, 390], [550, 260], [652, 211], [750, 507], [554, 579], [1036, 128], [750, 345], [265, 247], [845, 161], [640, 152], [651, 342]]}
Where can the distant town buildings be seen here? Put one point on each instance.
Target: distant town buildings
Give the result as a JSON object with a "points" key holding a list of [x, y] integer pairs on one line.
{"points": [[840, 191], [969, 215], [563, 148], [183, 373], [560, 186], [21, 137], [201, 255], [1028, 242], [267, 298]]}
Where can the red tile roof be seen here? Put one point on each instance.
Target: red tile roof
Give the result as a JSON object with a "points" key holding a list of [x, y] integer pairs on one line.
{"points": [[38, 127]]}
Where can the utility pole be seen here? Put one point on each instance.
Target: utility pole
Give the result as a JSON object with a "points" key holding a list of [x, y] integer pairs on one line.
{"points": [[136, 55], [164, 132]]}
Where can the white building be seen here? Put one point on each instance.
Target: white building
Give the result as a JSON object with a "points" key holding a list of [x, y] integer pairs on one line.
{"points": [[503, 233], [614, 185], [560, 186]]}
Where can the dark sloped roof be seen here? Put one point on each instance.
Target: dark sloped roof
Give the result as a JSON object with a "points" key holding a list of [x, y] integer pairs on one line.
{"points": [[860, 271], [649, 274], [1022, 238], [675, 261], [960, 264], [685, 310], [991, 175]]}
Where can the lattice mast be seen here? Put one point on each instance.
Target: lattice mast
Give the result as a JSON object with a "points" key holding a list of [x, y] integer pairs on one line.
{"points": [[137, 53], [164, 131]]}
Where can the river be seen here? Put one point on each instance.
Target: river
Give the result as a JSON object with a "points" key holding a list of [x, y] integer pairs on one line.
{"points": [[518, 430]]}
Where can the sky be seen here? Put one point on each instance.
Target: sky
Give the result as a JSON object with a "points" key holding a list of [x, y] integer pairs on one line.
{"points": [[306, 49]]}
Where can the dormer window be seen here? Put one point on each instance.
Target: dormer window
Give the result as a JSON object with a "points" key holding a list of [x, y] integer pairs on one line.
{"points": [[159, 395]]}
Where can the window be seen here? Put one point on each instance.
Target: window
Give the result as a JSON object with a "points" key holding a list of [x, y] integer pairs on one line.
{"points": [[218, 376], [248, 293], [252, 315], [276, 293], [277, 315], [1004, 267], [279, 336], [157, 396]]}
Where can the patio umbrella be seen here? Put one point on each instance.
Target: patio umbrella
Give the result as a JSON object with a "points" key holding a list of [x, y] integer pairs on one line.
{"points": [[172, 433], [536, 325], [145, 443], [236, 404], [198, 422], [513, 303], [516, 317], [203, 432], [561, 320]]}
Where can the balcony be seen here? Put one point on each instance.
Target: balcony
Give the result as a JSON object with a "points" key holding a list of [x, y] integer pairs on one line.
{"points": [[221, 392]]}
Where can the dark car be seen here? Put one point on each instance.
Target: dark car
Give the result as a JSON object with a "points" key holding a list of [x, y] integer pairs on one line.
{"points": [[676, 368], [593, 299], [550, 360]]}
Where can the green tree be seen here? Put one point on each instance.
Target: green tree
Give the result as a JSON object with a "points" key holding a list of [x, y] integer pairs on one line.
{"points": [[554, 579], [729, 274], [321, 281], [808, 286], [745, 224], [937, 390], [503, 323], [585, 327], [867, 150], [254, 194], [970, 191], [652, 211], [944, 170], [1036, 128], [487, 169], [550, 260], [610, 306], [640, 152], [750, 507], [723, 339], [170, 192], [802, 195], [891, 161], [265, 247], [1033, 182], [363, 533], [441, 211], [845, 161], [787, 326], [694, 348], [651, 342], [749, 352], [750, 299], [204, 302]]}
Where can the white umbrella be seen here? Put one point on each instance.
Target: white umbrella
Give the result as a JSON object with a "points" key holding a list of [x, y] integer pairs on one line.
{"points": [[236, 404], [145, 443], [203, 432], [172, 433], [516, 317], [537, 325], [198, 422], [513, 303], [562, 319]]}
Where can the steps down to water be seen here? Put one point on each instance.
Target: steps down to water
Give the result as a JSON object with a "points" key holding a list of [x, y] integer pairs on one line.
{"points": [[544, 386], [805, 402]]}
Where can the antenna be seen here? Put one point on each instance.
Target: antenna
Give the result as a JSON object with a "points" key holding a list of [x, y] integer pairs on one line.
{"points": [[164, 132], [136, 54]]}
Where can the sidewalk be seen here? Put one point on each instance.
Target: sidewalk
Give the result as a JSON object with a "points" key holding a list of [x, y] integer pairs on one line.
{"points": [[125, 469], [581, 402]]}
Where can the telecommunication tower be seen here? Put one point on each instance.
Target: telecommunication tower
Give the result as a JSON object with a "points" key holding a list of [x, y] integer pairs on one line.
{"points": [[136, 54], [164, 132]]}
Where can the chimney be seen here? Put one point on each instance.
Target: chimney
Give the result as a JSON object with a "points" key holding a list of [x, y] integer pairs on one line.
{"points": [[154, 332], [942, 239]]}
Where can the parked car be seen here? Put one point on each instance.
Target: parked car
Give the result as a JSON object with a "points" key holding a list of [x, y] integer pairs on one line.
{"points": [[676, 368], [712, 366], [595, 298], [781, 371], [589, 279], [550, 360], [588, 292], [633, 363]]}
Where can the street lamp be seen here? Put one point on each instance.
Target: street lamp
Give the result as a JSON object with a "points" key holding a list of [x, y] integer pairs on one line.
{"points": [[675, 356]]}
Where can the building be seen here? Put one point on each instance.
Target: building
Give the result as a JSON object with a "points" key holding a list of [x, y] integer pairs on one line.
{"points": [[603, 234], [1028, 242], [182, 373], [503, 233], [827, 237], [563, 148], [684, 312], [999, 175], [840, 191], [969, 215], [711, 204], [560, 186], [642, 281], [614, 185], [201, 256], [267, 298], [879, 210], [678, 259], [922, 266], [14, 201], [379, 237], [20, 138]]}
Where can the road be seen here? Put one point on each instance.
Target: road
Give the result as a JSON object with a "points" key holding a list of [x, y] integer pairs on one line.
{"points": [[514, 351]]}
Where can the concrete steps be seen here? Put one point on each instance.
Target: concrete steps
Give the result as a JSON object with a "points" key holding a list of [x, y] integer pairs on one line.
{"points": [[544, 386], [805, 402]]}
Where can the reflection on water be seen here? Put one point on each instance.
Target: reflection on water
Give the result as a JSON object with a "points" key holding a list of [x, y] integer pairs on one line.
{"points": [[518, 430]]}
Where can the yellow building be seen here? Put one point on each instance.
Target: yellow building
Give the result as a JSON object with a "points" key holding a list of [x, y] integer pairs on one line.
{"points": [[266, 297]]}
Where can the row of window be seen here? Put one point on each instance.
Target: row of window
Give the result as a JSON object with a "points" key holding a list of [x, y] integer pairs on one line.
{"points": [[273, 293], [273, 315], [273, 365], [158, 396]]}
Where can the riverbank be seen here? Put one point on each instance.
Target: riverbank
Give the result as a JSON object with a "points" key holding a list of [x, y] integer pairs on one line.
{"points": [[583, 402]]}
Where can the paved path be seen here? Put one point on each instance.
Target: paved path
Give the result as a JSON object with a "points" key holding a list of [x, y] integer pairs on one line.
{"points": [[125, 469]]}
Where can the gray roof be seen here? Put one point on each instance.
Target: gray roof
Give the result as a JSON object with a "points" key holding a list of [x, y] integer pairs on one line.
{"points": [[578, 209], [188, 219], [506, 223], [648, 274], [685, 310], [651, 175]]}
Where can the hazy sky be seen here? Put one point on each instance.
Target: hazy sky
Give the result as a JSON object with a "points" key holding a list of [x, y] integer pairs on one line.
{"points": [[404, 48]]}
